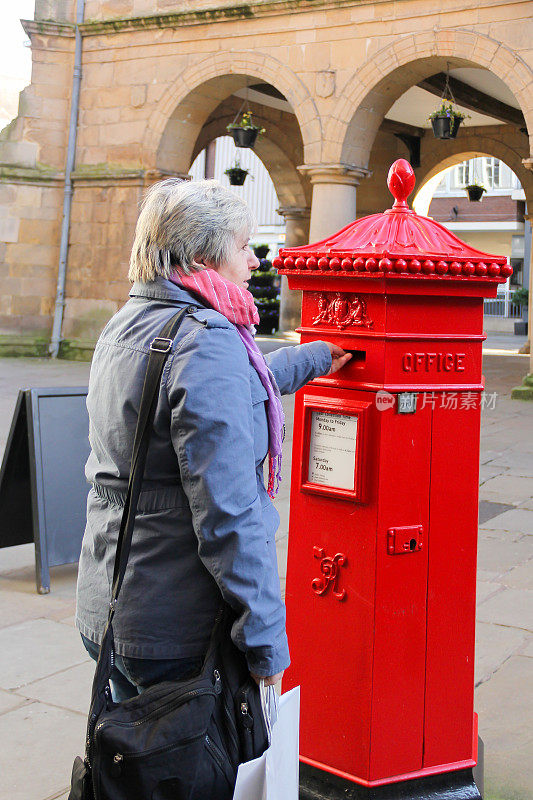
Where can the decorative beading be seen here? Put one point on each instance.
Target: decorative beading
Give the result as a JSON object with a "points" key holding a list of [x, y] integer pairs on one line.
{"points": [[388, 265]]}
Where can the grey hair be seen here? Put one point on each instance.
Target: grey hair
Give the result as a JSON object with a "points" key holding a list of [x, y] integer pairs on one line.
{"points": [[185, 221]]}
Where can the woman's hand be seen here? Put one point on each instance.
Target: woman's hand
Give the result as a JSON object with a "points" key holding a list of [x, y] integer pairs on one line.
{"points": [[270, 681], [338, 357]]}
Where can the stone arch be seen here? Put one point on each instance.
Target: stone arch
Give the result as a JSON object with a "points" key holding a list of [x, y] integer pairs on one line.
{"points": [[194, 94], [272, 148], [477, 143], [383, 78]]}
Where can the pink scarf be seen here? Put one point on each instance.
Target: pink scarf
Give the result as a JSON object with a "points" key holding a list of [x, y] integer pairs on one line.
{"points": [[238, 306]]}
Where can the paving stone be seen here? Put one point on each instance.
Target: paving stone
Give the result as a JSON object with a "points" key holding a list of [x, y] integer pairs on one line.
{"points": [[491, 458], [513, 607], [22, 555], [8, 701], [70, 621], [39, 744], [488, 510], [485, 589], [507, 489], [16, 607], [494, 645], [528, 650], [498, 555], [508, 762], [70, 689], [283, 529], [519, 520], [36, 649], [520, 462], [489, 471], [62, 580], [520, 577], [281, 550], [486, 534]]}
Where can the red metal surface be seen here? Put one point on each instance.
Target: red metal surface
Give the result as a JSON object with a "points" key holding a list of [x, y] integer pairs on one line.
{"points": [[451, 600], [383, 646], [425, 771]]}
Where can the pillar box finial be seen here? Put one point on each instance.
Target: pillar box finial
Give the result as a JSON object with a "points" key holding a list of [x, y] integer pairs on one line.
{"points": [[401, 181]]}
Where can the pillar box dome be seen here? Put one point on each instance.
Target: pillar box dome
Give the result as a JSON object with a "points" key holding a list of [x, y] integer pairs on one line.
{"points": [[387, 283], [398, 244]]}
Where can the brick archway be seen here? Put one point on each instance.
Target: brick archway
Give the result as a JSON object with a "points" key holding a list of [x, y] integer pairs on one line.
{"points": [[176, 123], [477, 143], [368, 95]]}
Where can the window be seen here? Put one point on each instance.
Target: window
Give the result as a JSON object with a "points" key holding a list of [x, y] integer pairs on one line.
{"points": [[491, 173], [462, 175]]}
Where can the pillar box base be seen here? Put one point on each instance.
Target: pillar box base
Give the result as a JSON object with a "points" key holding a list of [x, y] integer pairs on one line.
{"points": [[463, 784]]}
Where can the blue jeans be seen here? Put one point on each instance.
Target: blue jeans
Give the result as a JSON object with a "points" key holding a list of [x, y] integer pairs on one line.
{"points": [[131, 676]]}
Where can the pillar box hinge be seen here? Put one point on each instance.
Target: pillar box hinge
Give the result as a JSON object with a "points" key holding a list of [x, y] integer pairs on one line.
{"points": [[404, 539]]}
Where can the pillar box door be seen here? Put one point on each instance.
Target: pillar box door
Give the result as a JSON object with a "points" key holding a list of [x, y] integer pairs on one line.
{"points": [[384, 498]]}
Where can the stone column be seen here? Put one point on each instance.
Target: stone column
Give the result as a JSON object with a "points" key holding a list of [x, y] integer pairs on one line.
{"points": [[525, 391], [334, 191], [296, 233], [210, 158]]}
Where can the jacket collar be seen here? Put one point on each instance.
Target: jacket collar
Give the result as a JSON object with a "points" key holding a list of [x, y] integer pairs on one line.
{"points": [[161, 289]]}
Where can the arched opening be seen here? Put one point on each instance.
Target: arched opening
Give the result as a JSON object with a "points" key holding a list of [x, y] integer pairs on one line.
{"points": [[495, 224], [392, 87], [493, 125], [186, 105], [280, 148]]}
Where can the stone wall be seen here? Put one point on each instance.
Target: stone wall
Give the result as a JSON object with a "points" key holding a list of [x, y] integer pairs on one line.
{"points": [[157, 84]]}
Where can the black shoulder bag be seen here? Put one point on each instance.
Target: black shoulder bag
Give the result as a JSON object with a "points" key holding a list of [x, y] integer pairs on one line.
{"points": [[178, 740]]}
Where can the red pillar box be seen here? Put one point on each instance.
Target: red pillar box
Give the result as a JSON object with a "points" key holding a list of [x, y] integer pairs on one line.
{"points": [[381, 568]]}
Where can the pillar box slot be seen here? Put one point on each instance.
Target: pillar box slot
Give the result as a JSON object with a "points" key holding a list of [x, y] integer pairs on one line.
{"points": [[385, 464]]}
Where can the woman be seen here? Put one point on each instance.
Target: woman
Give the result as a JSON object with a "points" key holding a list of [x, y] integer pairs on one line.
{"points": [[206, 526]]}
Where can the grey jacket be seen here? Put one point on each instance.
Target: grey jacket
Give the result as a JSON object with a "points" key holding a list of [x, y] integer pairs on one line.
{"points": [[205, 524]]}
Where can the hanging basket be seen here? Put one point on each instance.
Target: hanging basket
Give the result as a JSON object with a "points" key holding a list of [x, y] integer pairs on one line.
{"points": [[445, 127], [236, 176], [243, 137], [475, 192]]}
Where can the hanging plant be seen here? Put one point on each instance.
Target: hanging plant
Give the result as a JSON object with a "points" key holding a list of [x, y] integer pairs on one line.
{"points": [[475, 192], [236, 174], [445, 121], [244, 132]]}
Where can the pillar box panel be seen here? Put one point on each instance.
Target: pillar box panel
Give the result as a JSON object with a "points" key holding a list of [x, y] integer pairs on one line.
{"points": [[383, 523]]}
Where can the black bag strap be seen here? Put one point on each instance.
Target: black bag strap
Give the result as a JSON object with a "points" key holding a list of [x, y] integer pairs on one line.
{"points": [[160, 349]]}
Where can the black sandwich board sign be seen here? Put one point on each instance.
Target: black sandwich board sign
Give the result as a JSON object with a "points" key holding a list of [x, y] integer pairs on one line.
{"points": [[43, 491]]}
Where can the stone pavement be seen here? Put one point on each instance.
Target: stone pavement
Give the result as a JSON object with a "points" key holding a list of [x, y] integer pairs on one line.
{"points": [[45, 676]]}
